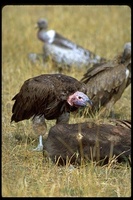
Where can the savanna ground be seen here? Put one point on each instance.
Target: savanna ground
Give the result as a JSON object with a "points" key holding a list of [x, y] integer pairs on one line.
{"points": [[101, 29]]}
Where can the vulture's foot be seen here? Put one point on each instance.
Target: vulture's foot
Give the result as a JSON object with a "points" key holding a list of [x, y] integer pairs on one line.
{"points": [[40, 145], [38, 148]]}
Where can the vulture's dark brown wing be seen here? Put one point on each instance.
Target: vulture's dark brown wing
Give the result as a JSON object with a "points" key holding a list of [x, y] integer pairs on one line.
{"points": [[44, 94], [106, 80]]}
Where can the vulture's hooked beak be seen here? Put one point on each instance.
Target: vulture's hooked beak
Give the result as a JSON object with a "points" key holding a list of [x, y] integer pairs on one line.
{"points": [[89, 103]]}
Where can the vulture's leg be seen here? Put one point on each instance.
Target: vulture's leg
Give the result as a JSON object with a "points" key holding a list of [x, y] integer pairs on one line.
{"points": [[106, 112], [64, 118], [115, 98], [40, 128]]}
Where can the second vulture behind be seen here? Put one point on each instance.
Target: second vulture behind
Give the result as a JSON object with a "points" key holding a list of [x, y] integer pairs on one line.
{"points": [[107, 81]]}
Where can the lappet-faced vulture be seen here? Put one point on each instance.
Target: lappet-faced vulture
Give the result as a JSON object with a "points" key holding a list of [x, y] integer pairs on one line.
{"points": [[62, 50], [89, 141], [48, 96], [107, 81]]}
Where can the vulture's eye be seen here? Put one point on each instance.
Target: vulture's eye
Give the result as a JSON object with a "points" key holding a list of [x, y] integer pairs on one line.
{"points": [[80, 97]]}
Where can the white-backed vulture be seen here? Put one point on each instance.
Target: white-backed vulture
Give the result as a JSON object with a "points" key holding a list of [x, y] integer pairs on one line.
{"points": [[48, 96], [107, 81], [100, 142], [63, 51]]}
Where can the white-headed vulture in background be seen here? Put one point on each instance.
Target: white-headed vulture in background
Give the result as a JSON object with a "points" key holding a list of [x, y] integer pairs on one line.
{"points": [[63, 51]]}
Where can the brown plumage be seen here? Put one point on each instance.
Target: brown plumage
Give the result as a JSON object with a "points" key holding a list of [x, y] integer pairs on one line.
{"points": [[89, 141], [107, 81], [48, 96]]}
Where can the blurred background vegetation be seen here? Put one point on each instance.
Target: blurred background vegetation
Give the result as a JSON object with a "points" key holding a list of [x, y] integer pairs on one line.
{"points": [[101, 29]]}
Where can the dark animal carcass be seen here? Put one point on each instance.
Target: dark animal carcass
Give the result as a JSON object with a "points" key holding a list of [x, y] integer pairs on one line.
{"points": [[72, 143]]}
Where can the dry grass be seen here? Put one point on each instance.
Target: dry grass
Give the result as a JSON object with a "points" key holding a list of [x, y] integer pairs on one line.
{"points": [[102, 29]]}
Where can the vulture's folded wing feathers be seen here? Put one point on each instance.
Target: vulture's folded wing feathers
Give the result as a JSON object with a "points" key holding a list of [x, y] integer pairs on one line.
{"points": [[45, 95]]}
